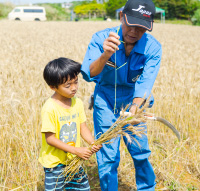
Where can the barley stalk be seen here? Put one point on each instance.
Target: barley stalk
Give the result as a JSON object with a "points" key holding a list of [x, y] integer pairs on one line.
{"points": [[119, 128]]}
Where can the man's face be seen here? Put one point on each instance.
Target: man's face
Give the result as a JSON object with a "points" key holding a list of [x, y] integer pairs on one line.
{"points": [[131, 34]]}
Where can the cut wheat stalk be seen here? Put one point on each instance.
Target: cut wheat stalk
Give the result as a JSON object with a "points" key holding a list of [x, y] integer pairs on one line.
{"points": [[124, 126]]}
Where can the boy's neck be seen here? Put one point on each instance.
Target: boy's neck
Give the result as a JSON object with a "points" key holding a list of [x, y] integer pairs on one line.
{"points": [[61, 100]]}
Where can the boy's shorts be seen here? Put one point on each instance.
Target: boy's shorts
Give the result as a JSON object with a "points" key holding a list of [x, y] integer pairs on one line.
{"points": [[55, 181]]}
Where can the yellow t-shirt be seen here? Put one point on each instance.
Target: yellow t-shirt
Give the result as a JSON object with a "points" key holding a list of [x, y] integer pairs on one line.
{"points": [[65, 123]]}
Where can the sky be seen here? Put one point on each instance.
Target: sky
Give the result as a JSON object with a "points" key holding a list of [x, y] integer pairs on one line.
{"points": [[23, 2]]}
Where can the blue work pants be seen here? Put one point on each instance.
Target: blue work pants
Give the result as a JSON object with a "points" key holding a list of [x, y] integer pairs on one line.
{"points": [[108, 161], [109, 156]]}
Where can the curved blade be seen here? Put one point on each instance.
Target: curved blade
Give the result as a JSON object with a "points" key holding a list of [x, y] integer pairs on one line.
{"points": [[168, 124], [160, 119]]}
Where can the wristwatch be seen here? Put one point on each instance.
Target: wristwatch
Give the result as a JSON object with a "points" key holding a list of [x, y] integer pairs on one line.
{"points": [[135, 104]]}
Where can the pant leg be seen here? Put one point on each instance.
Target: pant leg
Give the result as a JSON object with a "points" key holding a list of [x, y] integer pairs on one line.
{"points": [[54, 180], [145, 177], [79, 182], [108, 158]]}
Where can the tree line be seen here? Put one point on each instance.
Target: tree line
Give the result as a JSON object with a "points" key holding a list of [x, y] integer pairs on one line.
{"points": [[174, 9], [179, 9]]}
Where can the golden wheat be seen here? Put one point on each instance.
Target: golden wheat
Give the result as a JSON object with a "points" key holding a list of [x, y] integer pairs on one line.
{"points": [[26, 47], [123, 126]]}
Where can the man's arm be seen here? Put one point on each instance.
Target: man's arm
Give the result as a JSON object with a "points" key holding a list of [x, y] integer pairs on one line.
{"points": [[110, 45], [144, 83], [82, 152]]}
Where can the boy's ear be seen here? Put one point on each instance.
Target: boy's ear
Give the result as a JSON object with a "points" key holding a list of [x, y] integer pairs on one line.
{"points": [[53, 88]]}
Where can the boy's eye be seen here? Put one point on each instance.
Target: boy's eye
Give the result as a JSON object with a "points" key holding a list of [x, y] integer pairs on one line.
{"points": [[67, 86]]}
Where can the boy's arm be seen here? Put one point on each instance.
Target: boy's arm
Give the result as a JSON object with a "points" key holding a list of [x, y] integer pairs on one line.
{"points": [[87, 136], [82, 152]]}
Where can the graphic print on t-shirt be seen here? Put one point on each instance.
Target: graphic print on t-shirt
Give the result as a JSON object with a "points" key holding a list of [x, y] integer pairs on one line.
{"points": [[68, 133]]}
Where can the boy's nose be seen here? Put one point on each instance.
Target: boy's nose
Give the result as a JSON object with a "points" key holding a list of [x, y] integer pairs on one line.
{"points": [[73, 86]]}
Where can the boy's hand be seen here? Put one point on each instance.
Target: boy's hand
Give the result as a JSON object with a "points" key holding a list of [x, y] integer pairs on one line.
{"points": [[95, 148], [83, 152]]}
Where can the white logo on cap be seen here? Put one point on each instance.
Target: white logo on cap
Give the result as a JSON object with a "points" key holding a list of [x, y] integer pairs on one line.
{"points": [[142, 11]]}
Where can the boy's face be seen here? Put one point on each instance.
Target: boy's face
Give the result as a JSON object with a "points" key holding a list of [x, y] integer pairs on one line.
{"points": [[68, 89]]}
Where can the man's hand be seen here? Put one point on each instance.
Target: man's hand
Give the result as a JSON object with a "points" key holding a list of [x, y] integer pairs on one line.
{"points": [[83, 152], [111, 44], [133, 109], [137, 102]]}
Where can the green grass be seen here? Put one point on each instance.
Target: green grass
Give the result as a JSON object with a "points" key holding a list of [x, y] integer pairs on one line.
{"points": [[92, 19], [5, 9], [54, 12], [175, 21]]}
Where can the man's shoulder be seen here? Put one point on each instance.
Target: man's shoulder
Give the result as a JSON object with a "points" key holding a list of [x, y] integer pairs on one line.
{"points": [[108, 30], [149, 45], [152, 40], [105, 32]]}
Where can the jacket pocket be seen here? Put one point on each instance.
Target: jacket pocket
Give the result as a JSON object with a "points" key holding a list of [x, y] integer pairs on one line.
{"points": [[134, 74]]}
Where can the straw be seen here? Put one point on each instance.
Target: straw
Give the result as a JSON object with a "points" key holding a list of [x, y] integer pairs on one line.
{"points": [[124, 126]]}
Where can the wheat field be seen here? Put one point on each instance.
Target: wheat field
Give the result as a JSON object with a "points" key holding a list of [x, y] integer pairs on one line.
{"points": [[26, 47]]}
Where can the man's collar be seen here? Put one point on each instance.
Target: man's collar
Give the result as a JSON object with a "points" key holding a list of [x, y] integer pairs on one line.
{"points": [[140, 45]]}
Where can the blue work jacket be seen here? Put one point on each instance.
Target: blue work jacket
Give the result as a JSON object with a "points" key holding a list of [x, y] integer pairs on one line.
{"points": [[134, 75]]}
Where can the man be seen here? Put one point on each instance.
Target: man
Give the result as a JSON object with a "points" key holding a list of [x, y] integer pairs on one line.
{"points": [[123, 62]]}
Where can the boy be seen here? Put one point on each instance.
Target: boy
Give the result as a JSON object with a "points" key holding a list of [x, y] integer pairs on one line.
{"points": [[63, 121]]}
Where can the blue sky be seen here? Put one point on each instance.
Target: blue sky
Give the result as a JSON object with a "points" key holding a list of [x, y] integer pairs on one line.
{"points": [[21, 2]]}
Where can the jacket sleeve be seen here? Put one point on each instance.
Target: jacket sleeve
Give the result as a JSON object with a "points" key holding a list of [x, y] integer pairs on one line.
{"points": [[144, 84], [94, 51]]}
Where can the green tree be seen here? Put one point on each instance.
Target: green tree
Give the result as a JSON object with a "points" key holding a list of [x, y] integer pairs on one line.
{"points": [[180, 9], [196, 17], [55, 12], [5, 9], [113, 5], [90, 8]]}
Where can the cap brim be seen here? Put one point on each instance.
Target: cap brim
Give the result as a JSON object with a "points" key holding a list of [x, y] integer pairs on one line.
{"points": [[134, 21]]}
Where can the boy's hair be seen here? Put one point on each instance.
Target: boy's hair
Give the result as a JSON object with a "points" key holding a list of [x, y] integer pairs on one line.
{"points": [[58, 71]]}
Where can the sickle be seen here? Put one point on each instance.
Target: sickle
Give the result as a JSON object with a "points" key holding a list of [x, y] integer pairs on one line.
{"points": [[160, 119]]}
